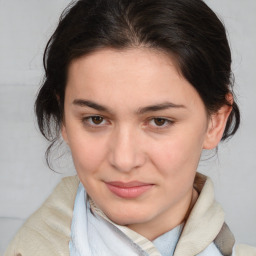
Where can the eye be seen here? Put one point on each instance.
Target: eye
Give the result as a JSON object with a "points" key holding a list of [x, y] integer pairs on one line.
{"points": [[97, 119], [94, 120], [160, 122]]}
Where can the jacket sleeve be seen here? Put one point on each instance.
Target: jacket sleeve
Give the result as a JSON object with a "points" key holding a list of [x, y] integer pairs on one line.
{"points": [[47, 231], [244, 250]]}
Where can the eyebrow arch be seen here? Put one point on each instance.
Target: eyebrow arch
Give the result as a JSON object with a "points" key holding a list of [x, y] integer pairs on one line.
{"points": [[152, 108], [157, 107], [90, 104]]}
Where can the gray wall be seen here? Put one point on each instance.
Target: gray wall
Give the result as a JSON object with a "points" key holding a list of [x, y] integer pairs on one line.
{"points": [[26, 181]]}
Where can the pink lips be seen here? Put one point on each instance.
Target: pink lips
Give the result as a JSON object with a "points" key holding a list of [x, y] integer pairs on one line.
{"points": [[128, 190]]}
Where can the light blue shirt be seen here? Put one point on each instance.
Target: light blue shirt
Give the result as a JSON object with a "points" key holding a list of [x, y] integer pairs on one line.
{"points": [[167, 242]]}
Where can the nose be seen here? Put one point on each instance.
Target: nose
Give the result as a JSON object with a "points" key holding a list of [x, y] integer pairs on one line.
{"points": [[126, 152]]}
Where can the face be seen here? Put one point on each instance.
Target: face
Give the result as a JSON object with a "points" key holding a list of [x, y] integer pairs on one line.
{"points": [[136, 129]]}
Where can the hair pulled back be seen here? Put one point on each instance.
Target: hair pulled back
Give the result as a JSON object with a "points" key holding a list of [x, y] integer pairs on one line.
{"points": [[188, 30]]}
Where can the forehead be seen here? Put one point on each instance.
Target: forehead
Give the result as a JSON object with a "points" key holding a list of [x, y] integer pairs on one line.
{"points": [[133, 76]]}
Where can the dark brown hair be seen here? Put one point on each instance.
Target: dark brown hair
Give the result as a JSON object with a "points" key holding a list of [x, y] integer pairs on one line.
{"points": [[186, 29]]}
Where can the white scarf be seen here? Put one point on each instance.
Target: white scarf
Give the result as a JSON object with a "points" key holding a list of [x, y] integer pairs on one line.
{"points": [[91, 235]]}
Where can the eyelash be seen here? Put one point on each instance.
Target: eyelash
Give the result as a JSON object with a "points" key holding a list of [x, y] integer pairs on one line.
{"points": [[88, 121], [167, 122]]}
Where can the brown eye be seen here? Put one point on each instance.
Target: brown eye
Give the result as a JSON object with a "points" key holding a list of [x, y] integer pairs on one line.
{"points": [[160, 121], [97, 119], [95, 122]]}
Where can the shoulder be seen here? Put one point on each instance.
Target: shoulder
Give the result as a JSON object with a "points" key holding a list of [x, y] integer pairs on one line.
{"points": [[47, 231], [244, 250]]}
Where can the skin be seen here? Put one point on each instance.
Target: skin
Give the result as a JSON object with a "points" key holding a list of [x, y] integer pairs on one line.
{"points": [[126, 142]]}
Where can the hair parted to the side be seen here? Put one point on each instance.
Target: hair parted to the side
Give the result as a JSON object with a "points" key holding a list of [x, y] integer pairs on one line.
{"points": [[188, 30]]}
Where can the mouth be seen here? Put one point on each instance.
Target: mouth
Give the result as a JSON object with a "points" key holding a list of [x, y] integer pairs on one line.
{"points": [[128, 190]]}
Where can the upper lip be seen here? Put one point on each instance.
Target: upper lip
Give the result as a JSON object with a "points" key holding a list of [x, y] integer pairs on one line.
{"points": [[127, 184]]}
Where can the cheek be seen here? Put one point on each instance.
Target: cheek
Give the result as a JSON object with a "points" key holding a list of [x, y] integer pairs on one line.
{"points": [[88, 154], [177, 155]]}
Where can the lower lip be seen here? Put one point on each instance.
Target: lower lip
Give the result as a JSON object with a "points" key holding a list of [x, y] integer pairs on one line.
{"points": [[129, 192]]}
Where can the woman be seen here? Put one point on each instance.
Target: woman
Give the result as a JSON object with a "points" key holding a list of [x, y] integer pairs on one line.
{"points": [[137, 89]]}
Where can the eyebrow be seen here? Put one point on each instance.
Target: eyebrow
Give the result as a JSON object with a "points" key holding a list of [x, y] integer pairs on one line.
{"points": [[90, 104], [143, 110], [157, 107]]}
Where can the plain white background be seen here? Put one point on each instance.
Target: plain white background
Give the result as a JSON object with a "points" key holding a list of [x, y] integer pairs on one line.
{"points": [[25, 26]]}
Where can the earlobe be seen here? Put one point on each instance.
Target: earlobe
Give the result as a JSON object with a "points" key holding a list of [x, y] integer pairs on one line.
{"points": [[64, 133], [216, 127]]}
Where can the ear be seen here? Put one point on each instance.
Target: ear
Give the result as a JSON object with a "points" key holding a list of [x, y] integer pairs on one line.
{"points": [[63, 127], [217, 124], [64, 133]]}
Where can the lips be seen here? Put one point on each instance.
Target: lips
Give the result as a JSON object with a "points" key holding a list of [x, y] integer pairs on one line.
{"points": [[128, 190]]}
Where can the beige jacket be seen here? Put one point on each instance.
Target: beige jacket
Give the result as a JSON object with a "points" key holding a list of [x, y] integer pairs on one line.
{"points": [[47, 231]]}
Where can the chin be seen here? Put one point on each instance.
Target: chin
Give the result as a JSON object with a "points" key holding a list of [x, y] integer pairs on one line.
{"points": [[128, 217]]}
